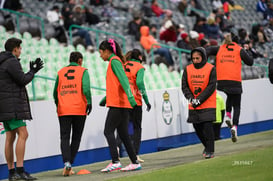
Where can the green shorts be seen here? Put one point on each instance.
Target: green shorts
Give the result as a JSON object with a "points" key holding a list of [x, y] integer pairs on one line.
{"points": [[13, 124]]}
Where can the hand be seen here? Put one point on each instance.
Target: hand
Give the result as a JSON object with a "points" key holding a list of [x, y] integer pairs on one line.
{"points": [[103, 102], [88, 108], [36, 65], [148, 107], [195, 103]]}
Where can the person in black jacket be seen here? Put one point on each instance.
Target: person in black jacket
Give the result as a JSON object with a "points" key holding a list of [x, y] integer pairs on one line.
{"points": [[199, 88], [14, 105], [229, 80]]}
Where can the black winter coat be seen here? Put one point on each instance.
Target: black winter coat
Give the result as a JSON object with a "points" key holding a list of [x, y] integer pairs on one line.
{"points": [[14, 102], [202, 115]]}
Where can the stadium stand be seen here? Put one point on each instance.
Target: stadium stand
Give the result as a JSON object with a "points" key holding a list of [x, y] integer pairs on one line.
{"points": [[157, 76]]}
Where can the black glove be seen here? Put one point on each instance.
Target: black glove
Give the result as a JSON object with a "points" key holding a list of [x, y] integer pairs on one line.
{"points": [[88, 108], [103, 102], [148, 107], [36, 65], [195, 103]]}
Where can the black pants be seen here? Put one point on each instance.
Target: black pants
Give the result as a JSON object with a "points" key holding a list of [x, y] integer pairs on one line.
{"points": [[76, 123], [205, 133], [117, 118], [135, 116], [234, 101], [217, 130]]}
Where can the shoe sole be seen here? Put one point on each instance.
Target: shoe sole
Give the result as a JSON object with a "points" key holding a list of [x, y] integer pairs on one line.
{"points": [[228, 122], [107, 171], [233, 136], [131, 170], [67, 172]]}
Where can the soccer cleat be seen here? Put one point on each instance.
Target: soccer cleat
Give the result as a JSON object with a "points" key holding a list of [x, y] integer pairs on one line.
{"points": [[228, 122], [14, 176], [26, 176], [209, 155], [131, 167], [233, 132], [112, 167], [140, 160], [67, 171]]}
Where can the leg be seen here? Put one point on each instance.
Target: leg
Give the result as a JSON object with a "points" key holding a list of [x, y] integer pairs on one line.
{"points": [[165, 53], [10, 138], [65, 129], [137, 119], [229, 103], [124, 136], [112, 121], [216, 130], [78, 123], [236, 108], [209, 136], [20, 145], [199, 131], [84, 34]]}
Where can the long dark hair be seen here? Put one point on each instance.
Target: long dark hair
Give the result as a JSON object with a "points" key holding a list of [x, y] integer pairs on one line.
{"points": [[112, 46], [134, 54]]}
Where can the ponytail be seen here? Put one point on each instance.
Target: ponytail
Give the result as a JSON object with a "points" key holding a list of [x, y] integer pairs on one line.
{"points": [[113, 47]]}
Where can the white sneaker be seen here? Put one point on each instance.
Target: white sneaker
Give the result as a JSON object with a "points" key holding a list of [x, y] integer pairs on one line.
{"points": [[233, 132], [112, 167], [131, 167]]}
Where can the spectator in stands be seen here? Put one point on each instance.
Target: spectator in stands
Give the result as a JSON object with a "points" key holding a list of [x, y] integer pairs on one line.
{"points": [[15, 5], [14, 105], [134, 27], [180, 30], [229, 79], [97, 2], [153, 30], [182, 6], [90, 17], [168, 32], [261, 6], [77, 17], [194, 43], [158, 11], [200, 25], [213, 30], [201, 97], [216, 4], [269, 12], [146, 9], [184, 42], [147, 40], [55, 18], [119, 99], [258, 35], [73, 100], [220, 114]]}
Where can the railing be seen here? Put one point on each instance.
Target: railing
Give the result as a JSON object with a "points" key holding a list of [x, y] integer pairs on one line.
{"points": [[206, 13], [97, 35], [180, 51], [52, 79], [18, 14]]}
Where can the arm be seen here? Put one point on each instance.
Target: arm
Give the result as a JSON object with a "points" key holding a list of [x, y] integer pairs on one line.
{"points": [[246, 57], [86, 86], [16, 72], [212, 50], [141, 86], [117, 68], [185, 87], [55, 93], [210, 88]]}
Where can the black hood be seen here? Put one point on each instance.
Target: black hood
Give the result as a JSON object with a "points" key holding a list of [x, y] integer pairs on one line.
{"points": [[204, 57], [5, 55]]}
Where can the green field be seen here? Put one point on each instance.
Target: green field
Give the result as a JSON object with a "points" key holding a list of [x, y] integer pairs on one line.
{"points": [[251, 165], [251, 158]]}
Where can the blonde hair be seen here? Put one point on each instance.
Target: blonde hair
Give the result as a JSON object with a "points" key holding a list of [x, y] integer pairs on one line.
{"points": [[228, 39]]}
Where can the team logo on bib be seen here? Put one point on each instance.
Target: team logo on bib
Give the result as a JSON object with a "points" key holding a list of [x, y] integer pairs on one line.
{"points": [[167, 110]]}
